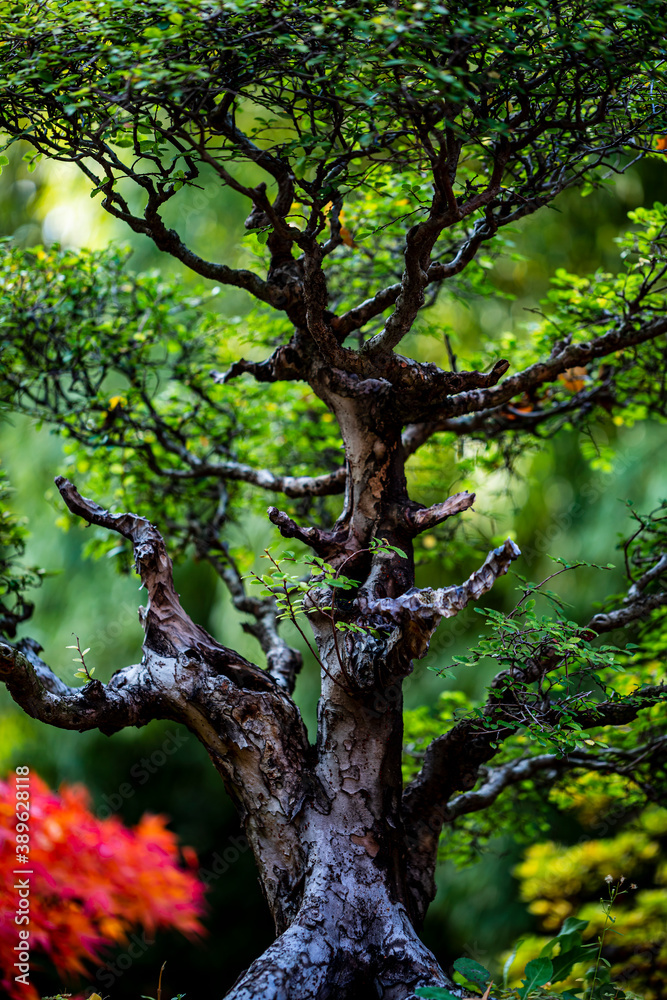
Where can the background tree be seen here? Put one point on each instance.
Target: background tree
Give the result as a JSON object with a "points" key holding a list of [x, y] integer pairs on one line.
{"points": [[394, 142], [561, 881], [126, 880]]}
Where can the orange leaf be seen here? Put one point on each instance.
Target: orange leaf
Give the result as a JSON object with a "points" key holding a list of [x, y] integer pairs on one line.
{"points": [[346, 237], [574, 379]]}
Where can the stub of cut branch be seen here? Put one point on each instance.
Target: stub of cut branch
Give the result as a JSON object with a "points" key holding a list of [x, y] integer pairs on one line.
{"points": [[420, 611], [314, 537], [429, 517]]}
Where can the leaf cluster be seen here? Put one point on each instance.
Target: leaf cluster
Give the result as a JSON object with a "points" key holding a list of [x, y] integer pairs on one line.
{"points": [[560, 880], [557, 959]]}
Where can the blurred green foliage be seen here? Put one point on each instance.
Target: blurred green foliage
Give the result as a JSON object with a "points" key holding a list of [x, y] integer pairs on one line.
{"points": [[561, 881]]}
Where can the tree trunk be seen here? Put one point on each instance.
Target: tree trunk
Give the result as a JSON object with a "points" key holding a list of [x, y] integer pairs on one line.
{"points": [[352, 935]]}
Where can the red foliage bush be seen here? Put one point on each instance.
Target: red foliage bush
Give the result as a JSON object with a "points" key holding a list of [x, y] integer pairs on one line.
{"points": [[91, 881]]}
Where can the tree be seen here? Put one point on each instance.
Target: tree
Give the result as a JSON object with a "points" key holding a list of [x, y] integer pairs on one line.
{"points": [[383, 152]]}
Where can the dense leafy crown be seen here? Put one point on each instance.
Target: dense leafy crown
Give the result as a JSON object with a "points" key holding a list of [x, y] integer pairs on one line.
{"points": [[335, 102]]}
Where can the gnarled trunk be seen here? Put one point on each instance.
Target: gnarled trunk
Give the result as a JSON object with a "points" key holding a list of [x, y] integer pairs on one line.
{"points": [[353, 934]]}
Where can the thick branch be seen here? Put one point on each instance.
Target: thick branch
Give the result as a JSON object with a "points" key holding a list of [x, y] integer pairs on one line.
{"points": [[124, 701], [429, 517], [657, 570], [562, 358], [420, 611], [506, 419], [169, 630]]}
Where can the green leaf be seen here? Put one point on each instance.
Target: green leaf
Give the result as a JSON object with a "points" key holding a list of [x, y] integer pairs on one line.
{"points": [[565, 962], [473, 971], [537, 973], [571, 925], [509, 960], [434, 993], [568, 936]]}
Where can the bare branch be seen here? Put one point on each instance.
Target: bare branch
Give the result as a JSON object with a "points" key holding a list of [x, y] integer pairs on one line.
{"points": [[283, 365], [610, 760], [170, 242], [429, 517], [651, 574], [292, 486], [640, 608], [125, 701], [499, 778], [420, 611]]}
